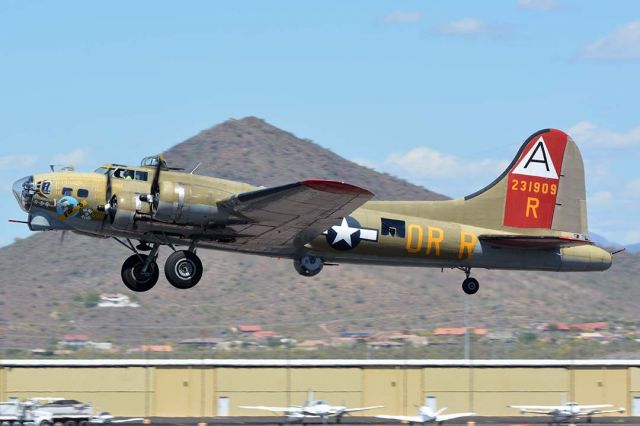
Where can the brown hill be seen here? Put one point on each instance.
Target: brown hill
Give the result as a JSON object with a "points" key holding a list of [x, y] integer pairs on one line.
{"points": [[45, 284], [253, 151]]}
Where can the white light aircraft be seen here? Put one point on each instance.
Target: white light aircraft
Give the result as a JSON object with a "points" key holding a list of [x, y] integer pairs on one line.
{"points": [[427, 415], [311, 409], [568, 412]]}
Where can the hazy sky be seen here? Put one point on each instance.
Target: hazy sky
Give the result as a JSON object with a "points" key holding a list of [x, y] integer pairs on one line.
{"points": [[440, 93]]}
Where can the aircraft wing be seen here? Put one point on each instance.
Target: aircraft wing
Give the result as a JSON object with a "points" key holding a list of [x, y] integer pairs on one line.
{"points": [[353, 410], [592, 412], [405, 419], [445, 417], [283, 410], [594, 407], [530, 241], [538, 409], [282, 218]]}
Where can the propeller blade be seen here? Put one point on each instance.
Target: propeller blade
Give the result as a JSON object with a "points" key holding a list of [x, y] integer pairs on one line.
{"points": [[62, 237], [108, 191], [155, 185]]}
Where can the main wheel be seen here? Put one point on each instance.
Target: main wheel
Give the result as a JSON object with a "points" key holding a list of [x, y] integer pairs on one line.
{"points": [[183, 269], [134, 278], [470, 286]]}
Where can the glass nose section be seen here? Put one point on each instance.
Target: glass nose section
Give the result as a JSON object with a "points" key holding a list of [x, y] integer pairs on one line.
{"points": [[23, 190]]}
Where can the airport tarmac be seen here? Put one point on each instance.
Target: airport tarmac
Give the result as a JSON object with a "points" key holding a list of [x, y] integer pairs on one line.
{"points": [[269, 421]]}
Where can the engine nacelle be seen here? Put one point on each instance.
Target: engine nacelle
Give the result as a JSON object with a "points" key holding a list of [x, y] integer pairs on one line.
{"points": [[123, 209], [184, 204]]}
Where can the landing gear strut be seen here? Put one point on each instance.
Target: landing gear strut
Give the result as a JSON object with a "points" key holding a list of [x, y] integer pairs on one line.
{"points": [[183, 269], [140, 271], [469, 285]]}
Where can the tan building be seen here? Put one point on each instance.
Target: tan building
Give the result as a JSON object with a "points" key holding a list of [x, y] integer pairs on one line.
{"points": [[218, 387]]}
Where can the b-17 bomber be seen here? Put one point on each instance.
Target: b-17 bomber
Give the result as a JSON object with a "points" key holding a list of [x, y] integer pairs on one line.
{"points": [[532, 217]]}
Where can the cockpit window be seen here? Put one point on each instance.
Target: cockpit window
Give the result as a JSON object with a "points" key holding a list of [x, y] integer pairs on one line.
{"points": [[141, 175], [100, 170], [123, 174]]}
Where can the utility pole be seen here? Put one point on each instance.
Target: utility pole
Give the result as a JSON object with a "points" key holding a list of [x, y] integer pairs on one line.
{"points": [[467, 350]]}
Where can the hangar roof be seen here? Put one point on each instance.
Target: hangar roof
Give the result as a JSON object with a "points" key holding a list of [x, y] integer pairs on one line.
{"points": [[318, 363]]}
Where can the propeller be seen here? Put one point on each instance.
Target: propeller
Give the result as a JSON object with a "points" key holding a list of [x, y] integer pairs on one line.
{"points": [[110, 203], [155, 184]]}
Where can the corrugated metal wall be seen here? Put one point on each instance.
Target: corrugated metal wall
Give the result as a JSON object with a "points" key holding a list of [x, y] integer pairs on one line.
{"points": [[194, 390]]}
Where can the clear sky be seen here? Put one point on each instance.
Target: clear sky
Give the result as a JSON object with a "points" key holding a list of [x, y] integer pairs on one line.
{"points": [[440, 93]]}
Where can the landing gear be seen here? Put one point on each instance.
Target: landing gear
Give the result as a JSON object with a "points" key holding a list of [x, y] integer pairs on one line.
{"points": [[469, 285], [140, 272], [183, 269], [308, 266]]}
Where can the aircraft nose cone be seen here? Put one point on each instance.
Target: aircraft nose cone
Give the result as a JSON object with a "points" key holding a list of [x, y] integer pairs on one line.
{"points": [[23, 190]]}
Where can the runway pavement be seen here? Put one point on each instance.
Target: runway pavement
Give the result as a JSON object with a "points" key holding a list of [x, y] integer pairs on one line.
{"points": [[269, 421]]}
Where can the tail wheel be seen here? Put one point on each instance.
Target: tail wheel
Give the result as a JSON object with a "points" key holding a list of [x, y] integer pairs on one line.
{"points": [[183, 269], [135, 278]]}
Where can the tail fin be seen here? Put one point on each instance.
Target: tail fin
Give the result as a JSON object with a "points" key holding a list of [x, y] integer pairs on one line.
{"points": [[542, 188]]}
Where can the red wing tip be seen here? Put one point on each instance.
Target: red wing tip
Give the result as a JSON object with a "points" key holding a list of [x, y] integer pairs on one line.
{"points": [[335, 186]]}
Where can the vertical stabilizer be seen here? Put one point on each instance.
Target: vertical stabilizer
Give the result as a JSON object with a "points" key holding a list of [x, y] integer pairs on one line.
{"points": [[543, 188]]}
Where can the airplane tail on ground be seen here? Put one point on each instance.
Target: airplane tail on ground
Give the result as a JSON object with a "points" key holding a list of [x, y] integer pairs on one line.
{"points": [[543, 188]]}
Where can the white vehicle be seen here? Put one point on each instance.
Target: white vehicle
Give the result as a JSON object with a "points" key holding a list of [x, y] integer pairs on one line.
{"points": [[569, 412], [427, 415], [311, 409], [14, 412], [69, 412]]}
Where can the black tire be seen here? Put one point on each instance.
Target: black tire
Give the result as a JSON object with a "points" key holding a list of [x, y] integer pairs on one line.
{"points": [[70, 423], [44, 423], [183, 269], [470, 286], [132, 276]]}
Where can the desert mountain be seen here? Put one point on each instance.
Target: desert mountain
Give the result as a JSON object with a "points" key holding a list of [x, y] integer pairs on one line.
{"points": [[253, 151], [45, 283]]}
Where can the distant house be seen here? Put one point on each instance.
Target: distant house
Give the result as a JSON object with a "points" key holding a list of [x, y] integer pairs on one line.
{"points": [[459, 331], [502, 336], [384, 344], [202, 343], [156, 348], [590, 326], [77, 340], [101, 346], [266, 335], [400, 337], [591, 336], [248, 329], [555, 326], [360, 336], [117, 300]]}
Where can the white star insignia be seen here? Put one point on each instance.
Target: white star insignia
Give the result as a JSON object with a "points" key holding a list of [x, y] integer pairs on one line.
{"points": [[344, 233]]}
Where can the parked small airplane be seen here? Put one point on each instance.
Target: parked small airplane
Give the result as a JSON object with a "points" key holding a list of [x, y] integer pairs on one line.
{"points": [[427, 415], [312, 409], [568, 412], [532, 217]]}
